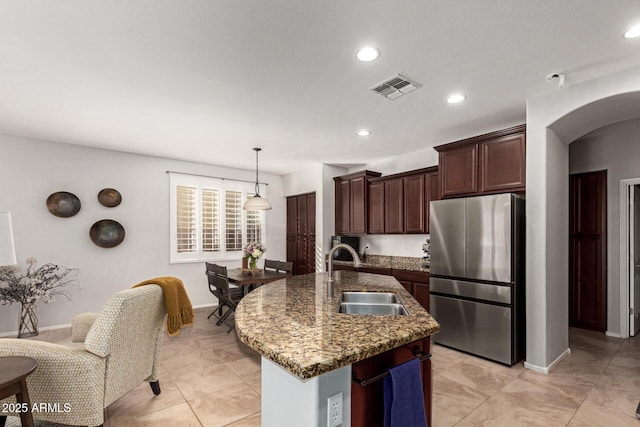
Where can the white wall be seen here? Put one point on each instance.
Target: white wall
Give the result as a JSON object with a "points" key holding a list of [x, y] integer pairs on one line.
{"points": [[616, 149], [553, 121], [32, 169]]}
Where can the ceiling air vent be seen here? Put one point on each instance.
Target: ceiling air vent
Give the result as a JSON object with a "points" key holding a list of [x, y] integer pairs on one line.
{"points": [[395, 87]]}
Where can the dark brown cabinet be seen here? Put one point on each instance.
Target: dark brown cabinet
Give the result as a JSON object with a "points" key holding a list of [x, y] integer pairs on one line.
{"points": [[416, 282], [367, 398], [351, 202], [399, 203], [432, 186], [301, 232], [459, 171], [486, 164], [502, 164], [414, 204], [394, 206], [376, 207]]}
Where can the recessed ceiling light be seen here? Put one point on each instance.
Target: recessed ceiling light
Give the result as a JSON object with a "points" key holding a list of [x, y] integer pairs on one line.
{"points": [[367, 54], [364, 132], [632, 32], [455, 98]]}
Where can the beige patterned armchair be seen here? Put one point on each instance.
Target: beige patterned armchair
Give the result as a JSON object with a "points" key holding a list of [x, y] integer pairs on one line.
{"points": [[121, 349]]}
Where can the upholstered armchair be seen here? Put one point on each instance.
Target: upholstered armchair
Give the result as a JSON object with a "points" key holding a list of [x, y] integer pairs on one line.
{"points": [[114, 351]]}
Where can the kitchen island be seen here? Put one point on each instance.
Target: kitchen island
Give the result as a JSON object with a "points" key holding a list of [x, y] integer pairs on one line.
{"points": [[308, 348]]}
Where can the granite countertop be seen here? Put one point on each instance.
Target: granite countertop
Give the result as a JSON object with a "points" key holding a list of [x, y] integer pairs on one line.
{"points": [[294, 323], [388, 261]]}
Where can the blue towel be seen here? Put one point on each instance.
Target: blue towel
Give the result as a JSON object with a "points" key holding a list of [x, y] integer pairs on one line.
{"points": [[403, 397]]}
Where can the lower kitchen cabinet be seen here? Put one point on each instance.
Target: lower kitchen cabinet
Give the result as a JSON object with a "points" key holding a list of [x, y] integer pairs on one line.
{"points": [[367, 398], [416, 282]]}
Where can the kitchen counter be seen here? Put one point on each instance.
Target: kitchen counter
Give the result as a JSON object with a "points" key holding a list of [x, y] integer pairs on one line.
{"points": [[293, 323], [392, 262]]}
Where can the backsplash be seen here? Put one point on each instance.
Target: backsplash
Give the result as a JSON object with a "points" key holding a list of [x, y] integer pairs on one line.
{"points": [[402, 245]]}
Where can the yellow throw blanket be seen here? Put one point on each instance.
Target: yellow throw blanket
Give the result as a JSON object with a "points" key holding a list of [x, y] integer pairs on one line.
{"points": [[176, 302]]}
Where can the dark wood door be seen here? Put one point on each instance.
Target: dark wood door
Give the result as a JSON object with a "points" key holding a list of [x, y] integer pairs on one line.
{"points": [[421, 294], [393, 206], [502, 164], [432, 187], [376, 207], [343, 209], [458, 170], [588, 250], [301, 232], [414, 204], [358, 218]]}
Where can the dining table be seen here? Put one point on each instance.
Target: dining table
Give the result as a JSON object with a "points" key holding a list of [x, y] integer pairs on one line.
{"points": [[249, 279]]}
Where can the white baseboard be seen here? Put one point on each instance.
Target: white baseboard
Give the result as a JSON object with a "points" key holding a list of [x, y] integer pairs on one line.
{"points": [[45, 328], [68, 325], [547, 369], [613, 334]]}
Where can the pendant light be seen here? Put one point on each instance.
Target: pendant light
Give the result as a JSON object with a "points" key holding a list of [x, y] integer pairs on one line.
{"points": [[257, 203]]}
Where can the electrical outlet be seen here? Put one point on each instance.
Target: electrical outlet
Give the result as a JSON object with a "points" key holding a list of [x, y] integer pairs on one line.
{"points": [[334, 408]]}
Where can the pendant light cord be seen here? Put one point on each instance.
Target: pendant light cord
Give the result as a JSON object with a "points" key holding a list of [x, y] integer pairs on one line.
{"points": [[257, 150]]}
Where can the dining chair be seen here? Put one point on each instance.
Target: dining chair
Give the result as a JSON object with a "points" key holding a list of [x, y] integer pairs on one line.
{"points": [[227, 296], [270, 264], [285, 266]]}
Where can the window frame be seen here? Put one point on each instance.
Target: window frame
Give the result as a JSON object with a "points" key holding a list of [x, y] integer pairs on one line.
{"points": [[209, 183]]}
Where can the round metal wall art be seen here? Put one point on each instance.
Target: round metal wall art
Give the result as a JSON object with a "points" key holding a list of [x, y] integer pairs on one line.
{"points": [[109, 197], [107, 233], [63, 204]]}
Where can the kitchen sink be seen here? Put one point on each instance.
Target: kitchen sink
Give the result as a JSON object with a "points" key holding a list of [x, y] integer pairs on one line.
{"points": [[380, 303], [370, 297]]}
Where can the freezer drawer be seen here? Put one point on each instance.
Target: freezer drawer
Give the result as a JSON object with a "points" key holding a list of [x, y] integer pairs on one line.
{"points": [[477, 328], [484, 291]]}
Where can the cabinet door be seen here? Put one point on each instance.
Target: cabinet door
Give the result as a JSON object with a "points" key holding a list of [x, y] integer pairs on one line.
{"points": [[311, 255], [292, 216], [432, 187], [393, 206], [311, 214], [301, 255], [358, 224], [301, 209], [421, 294], [458, 170], [292, 252], [502, 164], [407, 285], [376, 207], [414, 204], [343, 198]]}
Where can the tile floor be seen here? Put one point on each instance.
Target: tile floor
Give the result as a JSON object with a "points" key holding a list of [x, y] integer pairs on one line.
{"points": [[209, 378]]}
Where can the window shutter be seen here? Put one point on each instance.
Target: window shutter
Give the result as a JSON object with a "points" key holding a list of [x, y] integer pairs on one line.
{"points": [[186, 240], [233, 213], [210, 220]]}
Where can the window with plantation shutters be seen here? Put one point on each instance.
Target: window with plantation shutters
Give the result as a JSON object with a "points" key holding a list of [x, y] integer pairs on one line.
{"points": [[207, 220]]}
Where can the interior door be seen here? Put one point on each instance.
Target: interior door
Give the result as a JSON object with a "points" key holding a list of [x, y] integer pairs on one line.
{"points": [[634, 235], [588, 250]]}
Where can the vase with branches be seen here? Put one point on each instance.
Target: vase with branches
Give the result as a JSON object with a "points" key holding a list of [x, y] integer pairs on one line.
{"points": [[30, 285]]}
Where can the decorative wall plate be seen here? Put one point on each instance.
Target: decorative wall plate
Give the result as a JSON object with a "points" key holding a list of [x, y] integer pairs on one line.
{"points": [[63, 204], [109, 197], [107, 233]]}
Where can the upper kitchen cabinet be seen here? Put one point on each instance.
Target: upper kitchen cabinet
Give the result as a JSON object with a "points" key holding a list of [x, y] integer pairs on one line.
{"points": [[399, 203], [485, 164], [352, 196]]}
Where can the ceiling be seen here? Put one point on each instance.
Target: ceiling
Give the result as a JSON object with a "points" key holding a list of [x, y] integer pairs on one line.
{"points": [[207, 80]]}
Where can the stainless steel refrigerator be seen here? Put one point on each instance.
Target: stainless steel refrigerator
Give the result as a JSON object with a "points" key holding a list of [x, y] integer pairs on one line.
{"points": [[477, 275]]}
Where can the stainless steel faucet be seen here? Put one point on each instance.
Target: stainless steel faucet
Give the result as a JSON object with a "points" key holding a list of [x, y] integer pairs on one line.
{"points": [[356, 263]]}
